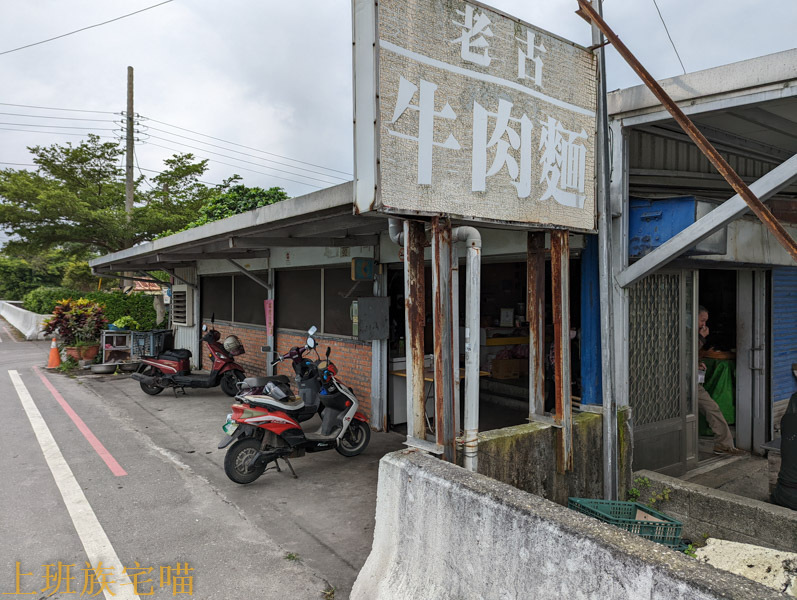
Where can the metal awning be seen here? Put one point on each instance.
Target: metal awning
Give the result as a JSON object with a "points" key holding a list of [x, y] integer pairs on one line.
{"points": [[321, 219]]}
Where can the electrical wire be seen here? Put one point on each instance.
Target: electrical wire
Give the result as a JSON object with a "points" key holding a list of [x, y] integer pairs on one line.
{"points": [[669, 36], [102, 112], [60, 126], [135, 156], [18, 164], [243, 146], [59, 118], [106, 137], [243, 153], [84, 28], [240, 167], [157, 137]]}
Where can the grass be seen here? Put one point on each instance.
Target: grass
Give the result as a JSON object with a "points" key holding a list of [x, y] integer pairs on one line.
{"points": [[329, 593], [293, 557]]}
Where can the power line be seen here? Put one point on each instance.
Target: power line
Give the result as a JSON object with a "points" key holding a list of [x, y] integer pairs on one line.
{"points": [[669, 36], [18, 164], [84, 28], [157, 137], [243, 168], [161, 173], [106, 137], [59, 118], [104, 112], [135, 156], [243, 146], [245, 154], [60, 126]]}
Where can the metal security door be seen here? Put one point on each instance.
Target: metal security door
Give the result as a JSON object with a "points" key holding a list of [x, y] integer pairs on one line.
{"points": [[661, 352]]}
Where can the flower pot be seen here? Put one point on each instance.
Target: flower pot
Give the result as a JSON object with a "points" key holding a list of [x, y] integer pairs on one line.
{"points": [[73, 352], [89, 352]]}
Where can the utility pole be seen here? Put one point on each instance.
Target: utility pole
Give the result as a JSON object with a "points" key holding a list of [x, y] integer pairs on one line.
{"points": [[130, 122]]}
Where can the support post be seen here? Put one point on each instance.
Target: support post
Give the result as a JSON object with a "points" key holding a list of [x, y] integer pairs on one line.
{"points": [[535, 315], [443, 347], [271, 338], [415, 320], [606, 306], [472, 303], [560, 289], [455, 335]]}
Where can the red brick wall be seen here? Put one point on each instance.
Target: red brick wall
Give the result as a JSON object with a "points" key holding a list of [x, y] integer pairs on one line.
{"points": [[352, 357]]}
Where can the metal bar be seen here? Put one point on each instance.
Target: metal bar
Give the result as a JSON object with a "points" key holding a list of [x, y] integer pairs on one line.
{"points": [[115, 276], [560, 291], [770, 184], [535, 315], [250, 275], [414, 322], [293, 242], [443, 363], [455, 335], [271, 341], [760, 210], [178, 278], [607, 331]]}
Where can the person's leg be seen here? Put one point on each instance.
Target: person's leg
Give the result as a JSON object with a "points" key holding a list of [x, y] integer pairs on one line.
{"points": [[713, 414]]}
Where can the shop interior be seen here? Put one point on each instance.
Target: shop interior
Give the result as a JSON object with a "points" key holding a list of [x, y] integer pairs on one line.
{"points": [[503, 338], [717, 293]]}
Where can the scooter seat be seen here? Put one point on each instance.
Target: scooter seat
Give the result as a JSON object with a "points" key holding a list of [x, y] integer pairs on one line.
{"points": [[178, 354], [259, 382], [269, 402]]}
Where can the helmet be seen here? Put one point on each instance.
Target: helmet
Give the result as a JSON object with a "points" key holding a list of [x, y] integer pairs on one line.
{"points": [[233, 345]]}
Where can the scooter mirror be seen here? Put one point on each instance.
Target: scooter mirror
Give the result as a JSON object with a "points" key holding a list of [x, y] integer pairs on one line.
{"points": [[311, 343], [328, 351], [312, 330], [204, 327]]}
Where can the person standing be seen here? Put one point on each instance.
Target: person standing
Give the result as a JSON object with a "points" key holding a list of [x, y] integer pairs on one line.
{"points": [[723, 438]]}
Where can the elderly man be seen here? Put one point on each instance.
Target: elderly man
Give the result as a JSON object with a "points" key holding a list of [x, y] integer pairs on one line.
{"points": [[723, 438]]}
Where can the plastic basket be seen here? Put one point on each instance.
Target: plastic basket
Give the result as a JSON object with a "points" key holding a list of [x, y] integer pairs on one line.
{"points": [[632, 516]]}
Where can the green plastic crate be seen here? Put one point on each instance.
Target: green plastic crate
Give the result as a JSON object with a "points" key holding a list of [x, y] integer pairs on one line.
{"points": [[665, 530]]}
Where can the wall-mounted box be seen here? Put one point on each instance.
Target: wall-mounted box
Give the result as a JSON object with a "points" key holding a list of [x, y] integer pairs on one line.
{"points": [[653, 221]]}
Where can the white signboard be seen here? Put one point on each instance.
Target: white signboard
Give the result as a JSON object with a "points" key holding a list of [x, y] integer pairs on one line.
{"points": [[464, 111]]}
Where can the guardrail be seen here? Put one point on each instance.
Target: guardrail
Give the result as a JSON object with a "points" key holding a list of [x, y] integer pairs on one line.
{"points": [[29, 323]]}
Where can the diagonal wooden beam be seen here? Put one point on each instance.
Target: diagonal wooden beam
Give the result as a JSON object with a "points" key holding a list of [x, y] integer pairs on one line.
{"points": [[716, 159]]}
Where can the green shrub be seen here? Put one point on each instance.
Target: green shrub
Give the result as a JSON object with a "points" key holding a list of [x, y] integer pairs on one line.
{"points": [[116, 304]]}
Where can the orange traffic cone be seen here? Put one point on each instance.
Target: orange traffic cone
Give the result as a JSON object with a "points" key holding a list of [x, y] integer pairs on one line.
{"points": [[55, 356]]}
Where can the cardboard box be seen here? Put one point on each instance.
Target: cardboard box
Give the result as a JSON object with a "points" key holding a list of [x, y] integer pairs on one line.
{"points": [[509, 368]]}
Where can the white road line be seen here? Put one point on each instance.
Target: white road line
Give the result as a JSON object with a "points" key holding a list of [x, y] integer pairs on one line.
{"points": [[96, 543]]}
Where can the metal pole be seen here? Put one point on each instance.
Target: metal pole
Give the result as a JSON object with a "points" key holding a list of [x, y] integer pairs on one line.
{"points": [[610, 469], [535, 315], [443, 363], [710, 152], [560, 292], [414, 322]]}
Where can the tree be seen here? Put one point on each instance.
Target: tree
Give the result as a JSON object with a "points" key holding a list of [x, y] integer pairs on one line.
{"points": [[77, 197]]}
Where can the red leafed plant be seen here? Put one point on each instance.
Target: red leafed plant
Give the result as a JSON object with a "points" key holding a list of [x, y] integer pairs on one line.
{"points": [[77, 322]]}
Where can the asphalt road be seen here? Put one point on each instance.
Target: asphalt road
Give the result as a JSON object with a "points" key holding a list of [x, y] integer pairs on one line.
{"points": [[93, 469]]}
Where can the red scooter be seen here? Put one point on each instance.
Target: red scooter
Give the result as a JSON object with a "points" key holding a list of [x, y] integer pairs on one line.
{"points": [[265, 427], [172, 368]]}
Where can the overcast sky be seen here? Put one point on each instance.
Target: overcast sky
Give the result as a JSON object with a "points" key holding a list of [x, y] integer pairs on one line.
{"points": [[276, 76]]}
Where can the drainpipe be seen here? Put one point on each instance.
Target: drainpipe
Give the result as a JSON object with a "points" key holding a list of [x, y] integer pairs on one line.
{"points": [[473, 243], [395, 229]]}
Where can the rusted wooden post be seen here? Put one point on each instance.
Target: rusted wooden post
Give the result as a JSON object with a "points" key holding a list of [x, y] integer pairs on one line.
{"points": [[535, 315], [414, 322], [443, 338], [560, 291]]}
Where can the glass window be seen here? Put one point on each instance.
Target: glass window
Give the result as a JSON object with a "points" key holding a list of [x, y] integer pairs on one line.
{"points": [[339, 292], [249, 297], [298, 294], [216, 296]]}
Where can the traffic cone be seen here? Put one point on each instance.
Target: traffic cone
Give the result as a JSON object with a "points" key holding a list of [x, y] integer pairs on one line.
{"points": [[55, 356]]}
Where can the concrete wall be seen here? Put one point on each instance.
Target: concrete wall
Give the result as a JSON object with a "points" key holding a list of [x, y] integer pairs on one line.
{"points": [[445, 533], [722, 515], [29, 323], [524, 456]]}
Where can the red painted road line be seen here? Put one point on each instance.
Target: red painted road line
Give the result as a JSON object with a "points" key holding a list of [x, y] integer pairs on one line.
{"points": [[8, 333], [114, 466]]}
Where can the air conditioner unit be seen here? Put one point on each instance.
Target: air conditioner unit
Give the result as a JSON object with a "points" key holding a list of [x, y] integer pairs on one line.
{"points": [[182, 305]]}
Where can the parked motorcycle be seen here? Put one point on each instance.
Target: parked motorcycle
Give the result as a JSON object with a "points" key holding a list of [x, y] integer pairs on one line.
{"points": [[172, 368], [264, 428]]}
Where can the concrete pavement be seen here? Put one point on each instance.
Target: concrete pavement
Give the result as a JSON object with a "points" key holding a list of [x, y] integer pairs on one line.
{"points": [[174, 504]]}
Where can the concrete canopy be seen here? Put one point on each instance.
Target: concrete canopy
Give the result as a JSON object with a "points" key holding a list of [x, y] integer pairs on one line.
{"points": [[320, 219]]}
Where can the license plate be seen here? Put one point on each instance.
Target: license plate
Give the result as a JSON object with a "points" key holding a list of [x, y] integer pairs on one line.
{"points": [[230, 426]]}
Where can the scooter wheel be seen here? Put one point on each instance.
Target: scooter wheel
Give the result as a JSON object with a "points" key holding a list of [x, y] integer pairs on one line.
{"points": [[228, 381], [152, 390], [236, 462], [355, 440]]}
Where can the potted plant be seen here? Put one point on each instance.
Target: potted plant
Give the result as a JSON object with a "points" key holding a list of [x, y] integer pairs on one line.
{"points": [[125, 323], [78, 323]]}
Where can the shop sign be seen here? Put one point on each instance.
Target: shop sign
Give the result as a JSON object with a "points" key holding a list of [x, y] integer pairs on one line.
{"points": [[465, 111]]}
